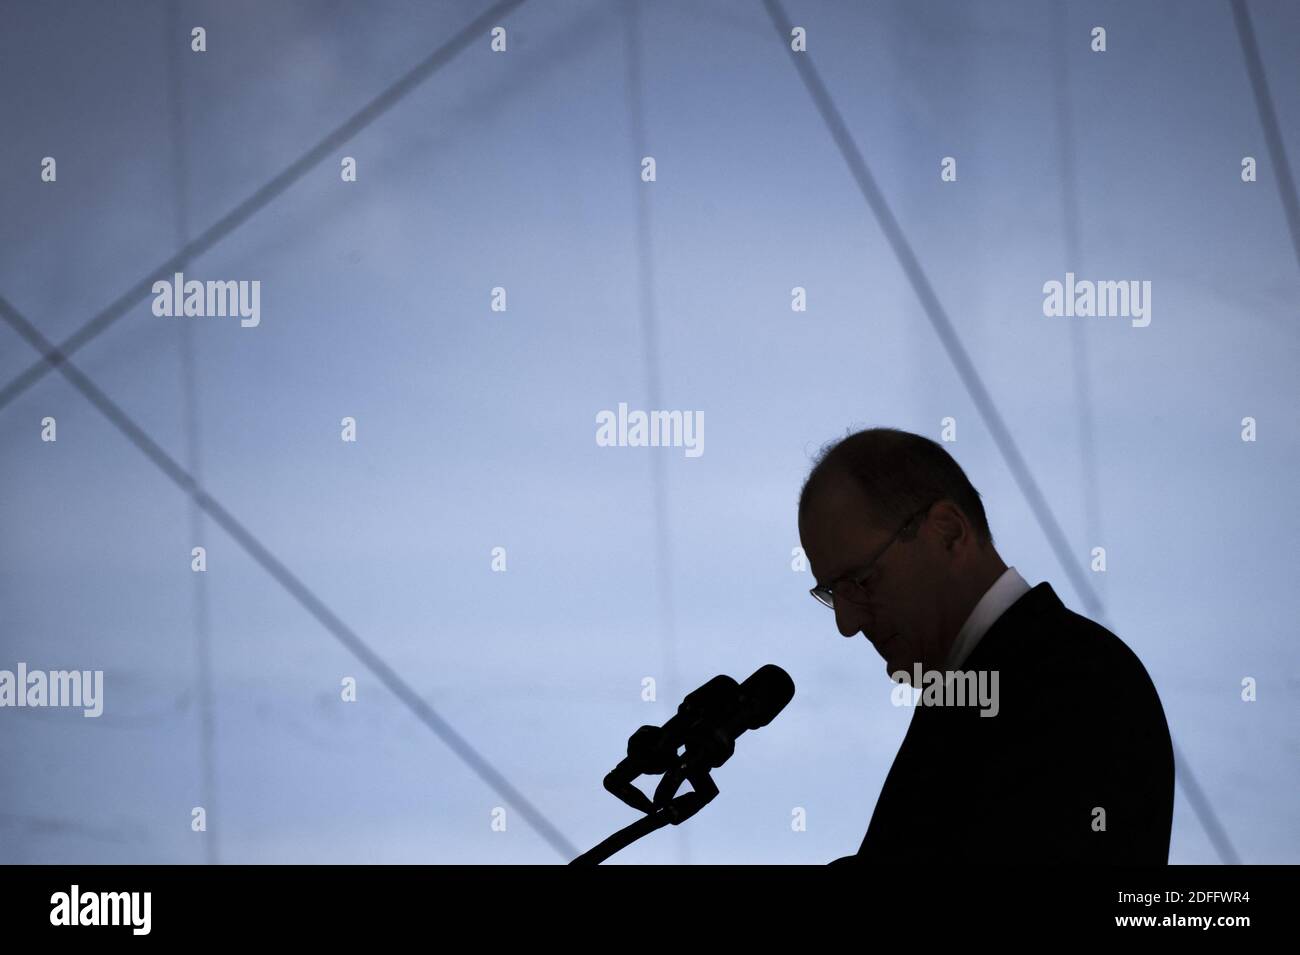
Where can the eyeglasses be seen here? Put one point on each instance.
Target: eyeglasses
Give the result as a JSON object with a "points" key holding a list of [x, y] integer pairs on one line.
{"points": [[850, 586]]}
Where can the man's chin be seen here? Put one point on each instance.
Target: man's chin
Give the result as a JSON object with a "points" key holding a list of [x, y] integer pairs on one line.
{"points": [[892, 662]]}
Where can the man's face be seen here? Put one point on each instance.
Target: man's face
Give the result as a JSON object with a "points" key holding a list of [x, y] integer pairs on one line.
{"points": [[904, 616]]}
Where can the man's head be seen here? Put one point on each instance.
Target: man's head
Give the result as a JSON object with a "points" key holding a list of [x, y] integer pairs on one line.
{"points": [[928, 572]]}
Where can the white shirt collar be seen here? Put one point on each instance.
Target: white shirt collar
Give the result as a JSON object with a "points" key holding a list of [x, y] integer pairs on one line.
{"points": [[1006, 590]]}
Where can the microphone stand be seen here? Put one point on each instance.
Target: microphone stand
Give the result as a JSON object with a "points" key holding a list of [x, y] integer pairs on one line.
{"points": [[704, 728], [666, 807]]}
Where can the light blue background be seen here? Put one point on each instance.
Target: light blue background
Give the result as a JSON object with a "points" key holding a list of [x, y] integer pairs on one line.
{"points": [[476, 429]]}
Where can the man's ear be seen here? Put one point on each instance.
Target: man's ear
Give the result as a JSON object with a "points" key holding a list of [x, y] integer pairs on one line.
{"points": [[950, 523]]}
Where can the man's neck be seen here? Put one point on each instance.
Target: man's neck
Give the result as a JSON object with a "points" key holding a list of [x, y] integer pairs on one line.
{"points": [[970, 589]]}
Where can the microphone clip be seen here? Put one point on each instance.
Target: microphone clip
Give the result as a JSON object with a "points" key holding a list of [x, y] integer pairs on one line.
{"points": [[650, 752]]}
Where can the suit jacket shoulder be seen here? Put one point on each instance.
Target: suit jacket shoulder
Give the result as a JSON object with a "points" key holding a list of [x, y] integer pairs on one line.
{"points": [[1075, 767]]}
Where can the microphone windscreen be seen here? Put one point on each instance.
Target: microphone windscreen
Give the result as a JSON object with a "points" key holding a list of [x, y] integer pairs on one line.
{"points": [[765, 694]]}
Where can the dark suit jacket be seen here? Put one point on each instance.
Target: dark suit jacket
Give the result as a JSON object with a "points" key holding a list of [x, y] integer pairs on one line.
{"points": [[1079, 727]]}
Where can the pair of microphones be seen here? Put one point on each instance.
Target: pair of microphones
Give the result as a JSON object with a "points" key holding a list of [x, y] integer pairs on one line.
{"points": [[700, 736]]}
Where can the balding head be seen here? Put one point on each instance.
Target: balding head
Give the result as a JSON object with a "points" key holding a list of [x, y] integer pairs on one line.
{"points": [[882, 508]]}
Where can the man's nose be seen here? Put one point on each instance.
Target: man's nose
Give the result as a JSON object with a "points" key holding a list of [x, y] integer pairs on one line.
{"points": [[851, 618]]}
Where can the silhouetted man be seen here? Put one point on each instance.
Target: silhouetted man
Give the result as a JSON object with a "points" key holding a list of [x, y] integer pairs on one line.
{"points": [[1071, 763]]}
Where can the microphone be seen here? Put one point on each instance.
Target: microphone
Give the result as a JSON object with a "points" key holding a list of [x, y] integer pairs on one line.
{"points": [[701, 735], [704, 729], [710, 739]]}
